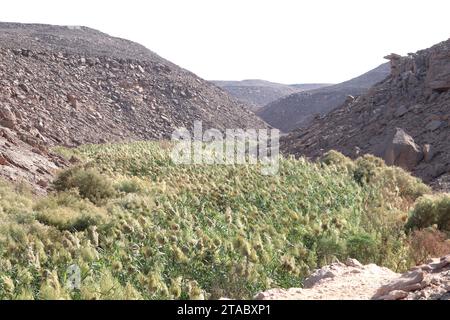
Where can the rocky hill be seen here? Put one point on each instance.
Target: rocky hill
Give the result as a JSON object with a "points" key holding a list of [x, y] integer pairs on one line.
{"points": [[259, 93], [353, 281], [74, 85], [405, 119], [299, 109]]}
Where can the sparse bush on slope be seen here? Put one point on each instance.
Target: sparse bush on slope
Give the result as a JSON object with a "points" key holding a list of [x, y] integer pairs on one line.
{"points": [[89, 183], [428, 243], [66, 211], [431, 210], [167, 231]]}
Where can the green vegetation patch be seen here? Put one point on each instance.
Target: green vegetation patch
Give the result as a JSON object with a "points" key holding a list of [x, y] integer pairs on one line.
{"points": [[140, 227]]}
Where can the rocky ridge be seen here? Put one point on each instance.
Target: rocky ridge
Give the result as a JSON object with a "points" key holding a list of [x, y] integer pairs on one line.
{"points": [[258, 93], [405, 119]]}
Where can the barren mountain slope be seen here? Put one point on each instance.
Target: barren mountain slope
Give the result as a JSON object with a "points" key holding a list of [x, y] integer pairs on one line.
{"points": [[73, 85], [405, 119], [299, 109], [77, 85], [259, 93]]}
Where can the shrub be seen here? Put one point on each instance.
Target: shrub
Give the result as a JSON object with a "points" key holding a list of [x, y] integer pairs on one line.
{"points": [[370, 170], [165, 231], [338, 159], [89, 183], [431, 210], [409, 186], [133, 185], [428, 243], [367, 168], [66, 211], [362, 247]]}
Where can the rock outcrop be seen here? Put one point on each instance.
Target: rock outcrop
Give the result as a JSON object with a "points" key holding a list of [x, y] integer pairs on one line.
{"points": [[24, 160], [413, 98], [354, 281], [438, 75]]}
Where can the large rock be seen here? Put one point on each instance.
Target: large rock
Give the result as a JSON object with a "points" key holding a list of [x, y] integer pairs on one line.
{"points": [[438, 75], [410, 281], [395, 60], [401, 150], [7, 117]]}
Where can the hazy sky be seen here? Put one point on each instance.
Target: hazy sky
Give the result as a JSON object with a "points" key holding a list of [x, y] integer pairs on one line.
{"points": [[289, 41]]}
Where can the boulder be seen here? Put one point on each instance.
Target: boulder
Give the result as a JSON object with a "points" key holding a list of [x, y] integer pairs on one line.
{"points": [[434, 125], [410, 281], [402, 110], [428, 153], [7, 118], [394, 295], [401, 150]]}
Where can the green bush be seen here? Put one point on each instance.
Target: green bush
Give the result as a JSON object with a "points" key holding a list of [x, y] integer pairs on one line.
{"points": [[431, 210], [339, 160], [367, 168], [132, 185], [370, 170], [89, 183], [66, 211], [164, 231], [362, 247]]}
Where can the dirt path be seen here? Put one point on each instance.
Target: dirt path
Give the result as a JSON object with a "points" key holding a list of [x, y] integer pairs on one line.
{"points": [[353, 281], [337, 282]]}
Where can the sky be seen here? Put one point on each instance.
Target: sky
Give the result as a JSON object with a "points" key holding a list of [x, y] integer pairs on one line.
{"points": [[286, 41]]}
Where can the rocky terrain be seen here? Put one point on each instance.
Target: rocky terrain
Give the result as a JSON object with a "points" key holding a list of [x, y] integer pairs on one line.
{"points": [[258, 93], [353, 281], [405, 119], [24, 160], [74, 85], [299, 109]]}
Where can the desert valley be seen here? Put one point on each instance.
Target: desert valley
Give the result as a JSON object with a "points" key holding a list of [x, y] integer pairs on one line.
{"points": [[93, 206]]}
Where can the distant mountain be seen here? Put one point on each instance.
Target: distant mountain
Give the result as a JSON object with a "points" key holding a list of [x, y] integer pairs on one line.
{"points": [[299, 109], [259, 93]]}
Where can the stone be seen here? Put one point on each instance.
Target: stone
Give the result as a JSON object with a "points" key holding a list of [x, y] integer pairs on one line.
{"points": [[409, 281], [434, 125], [401, 111], [428, 153], [353, 263], [42, 183], [317, 276], [24, 87], [72, 100], [401, 150], [7, 118], [349, 99], [394, 295], [3, 161]]}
